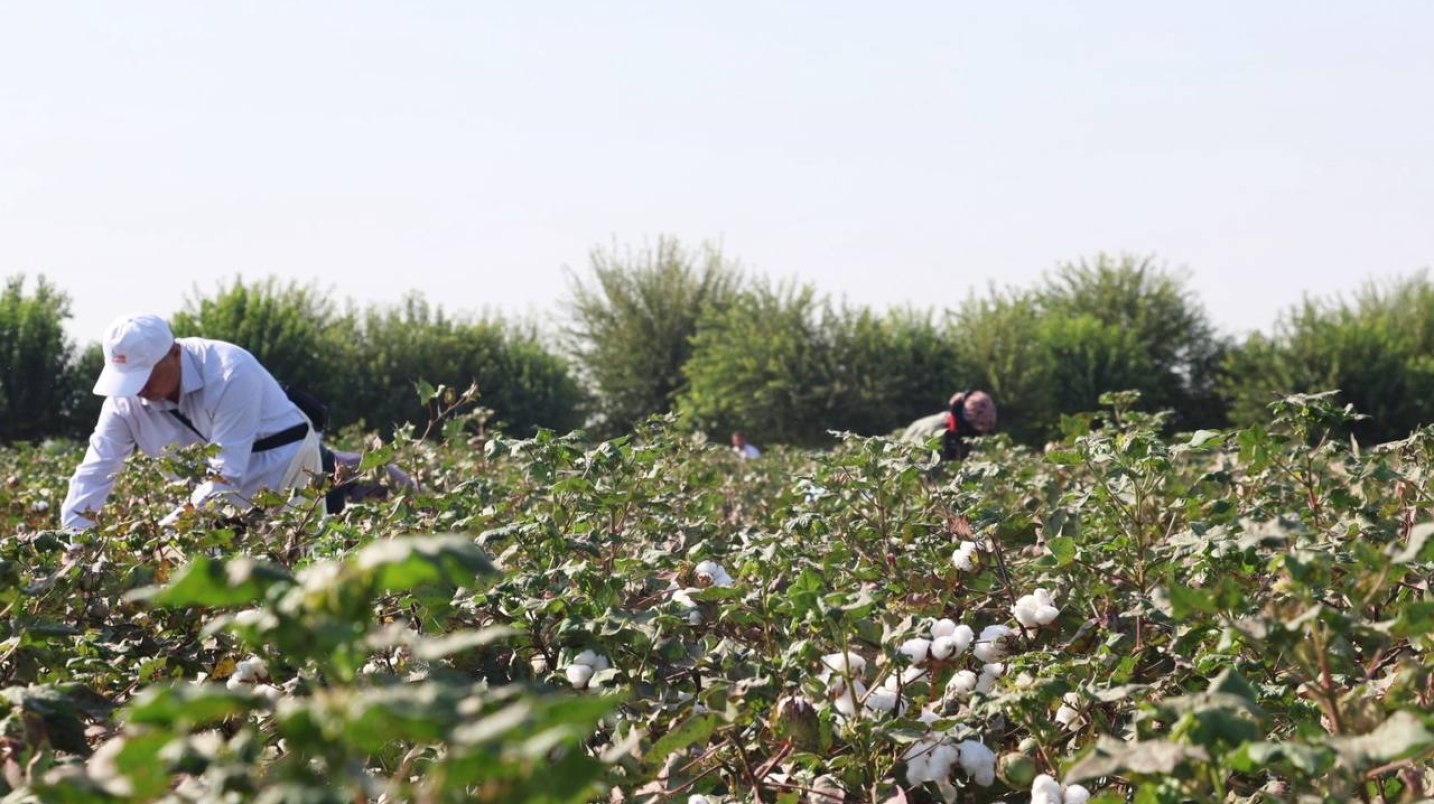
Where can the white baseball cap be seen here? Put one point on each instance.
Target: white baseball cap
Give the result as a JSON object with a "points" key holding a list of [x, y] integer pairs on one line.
{"points": [[133, 345]]}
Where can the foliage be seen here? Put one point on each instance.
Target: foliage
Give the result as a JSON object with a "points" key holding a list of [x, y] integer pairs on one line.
{"points": [[395, 349], [37, 383], [631, 324], [1377, 348], [788, 366], [1234, 616]]}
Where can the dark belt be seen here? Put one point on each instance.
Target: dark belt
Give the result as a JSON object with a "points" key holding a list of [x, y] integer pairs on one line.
{"points": [[296, 433]]}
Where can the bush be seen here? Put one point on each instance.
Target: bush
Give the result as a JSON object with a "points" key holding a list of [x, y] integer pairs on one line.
{"points": [[630, 327], [38, 385]]}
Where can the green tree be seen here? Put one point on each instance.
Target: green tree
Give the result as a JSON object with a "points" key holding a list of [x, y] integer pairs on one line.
{"points": [[397, 347], [1376, 349], [631, 323], [294, 330], [37, 384], [1182, 354], [997, 338]]}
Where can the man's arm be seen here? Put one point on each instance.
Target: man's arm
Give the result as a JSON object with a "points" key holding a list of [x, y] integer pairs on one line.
{"points": [[111, 442]]}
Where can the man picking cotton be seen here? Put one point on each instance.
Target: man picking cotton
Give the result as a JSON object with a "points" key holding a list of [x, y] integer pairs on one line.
{"points": [[162, 393]]}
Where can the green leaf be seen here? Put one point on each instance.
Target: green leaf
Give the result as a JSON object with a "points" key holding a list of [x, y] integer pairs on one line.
{"points": [[1063, 549], [1418, 548], [1402, 735], [405, 563], [1187, 602], [184, 706], [210, 582], [1203, 437], [694, 731], [1145, 758]]}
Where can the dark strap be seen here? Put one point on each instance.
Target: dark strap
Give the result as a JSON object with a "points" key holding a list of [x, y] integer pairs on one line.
{"points": [[268, 442]]}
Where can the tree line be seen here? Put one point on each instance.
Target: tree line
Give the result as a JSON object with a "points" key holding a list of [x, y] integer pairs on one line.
{"points": [[688, 332]]}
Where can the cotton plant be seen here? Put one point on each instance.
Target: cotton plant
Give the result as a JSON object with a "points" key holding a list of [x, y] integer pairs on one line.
{"points": [[706, 574], [1046, 790], [1068, 714], [583, 666], [1035, 609]]}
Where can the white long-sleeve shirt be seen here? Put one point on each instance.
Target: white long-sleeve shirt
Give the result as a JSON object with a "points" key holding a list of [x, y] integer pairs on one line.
{"points": [[228, 396]]}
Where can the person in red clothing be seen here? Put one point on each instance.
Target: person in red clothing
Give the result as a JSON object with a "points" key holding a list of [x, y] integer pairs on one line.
{"points": [[968, 413]]}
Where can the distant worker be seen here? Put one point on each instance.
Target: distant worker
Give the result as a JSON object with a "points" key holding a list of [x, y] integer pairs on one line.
{"points": [[743, 447], [967, 414]]}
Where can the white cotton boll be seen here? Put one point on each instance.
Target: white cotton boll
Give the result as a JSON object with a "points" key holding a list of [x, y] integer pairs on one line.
{"points": [[268, 692], [989, 646], [986, 682], [1076, 794], [713, 573], [965, 556], [943, 647], [1045, 615], [848, 663], [1025, 613], [587, 657], [846, 699], [916, 649], [253, 666], [1043, 597], [698, 798], [929, 761], [994, 669], [579, 675], [962, 683], [882, 699], [1045, 790], [978, 761], [943, 627], [910, 675]]}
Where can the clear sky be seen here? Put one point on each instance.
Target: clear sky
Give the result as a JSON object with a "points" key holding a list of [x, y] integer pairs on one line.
{"points": [[889, 153]]}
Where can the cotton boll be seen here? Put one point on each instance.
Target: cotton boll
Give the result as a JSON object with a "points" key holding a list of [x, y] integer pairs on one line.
{"points": [[846, 699], [1045, 790], [882, 699], [930, 761], [965, 556], [916, 649], [943, 647], [1076, 794], [986, 682], [978, 761], [989, 646], [1045, 615], [710, 573], [962, 683], [943, 627], [847, 663], [587, 657], [578, 675]]}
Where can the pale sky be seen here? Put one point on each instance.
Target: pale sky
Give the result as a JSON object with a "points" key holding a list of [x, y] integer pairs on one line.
{"points": [[900, 153]]}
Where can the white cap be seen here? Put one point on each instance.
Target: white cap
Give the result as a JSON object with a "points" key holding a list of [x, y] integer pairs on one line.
{"points": [[133, 345]]}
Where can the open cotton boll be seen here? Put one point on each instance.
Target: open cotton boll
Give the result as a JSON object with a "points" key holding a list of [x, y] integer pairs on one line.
{"points": [[930, 761], [883, 699], [846, 698], [990, 645], [961, 684], [1045, 790], [1075, 794], [978, 761], [712, 573], [579, 675], [846, 663], [965, 556], [916, 649], [943, 627]]}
